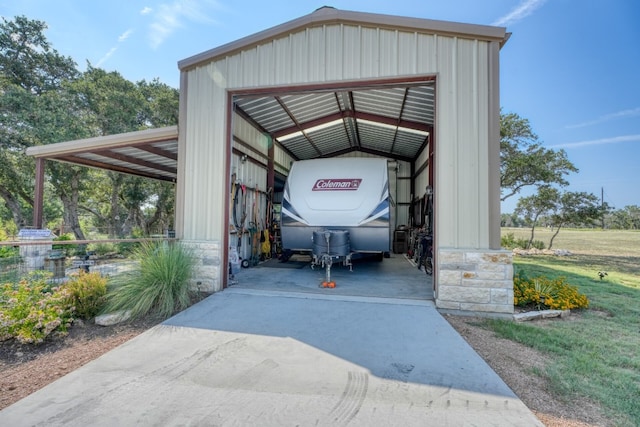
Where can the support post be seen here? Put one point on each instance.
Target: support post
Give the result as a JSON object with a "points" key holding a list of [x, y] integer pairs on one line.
{"points": [[38, 194]]}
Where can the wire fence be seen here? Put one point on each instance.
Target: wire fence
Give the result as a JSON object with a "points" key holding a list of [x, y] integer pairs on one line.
{"points": [[19, 258]]}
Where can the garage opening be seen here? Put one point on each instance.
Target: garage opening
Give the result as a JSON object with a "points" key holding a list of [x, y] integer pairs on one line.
{"points": [[273, 128]]}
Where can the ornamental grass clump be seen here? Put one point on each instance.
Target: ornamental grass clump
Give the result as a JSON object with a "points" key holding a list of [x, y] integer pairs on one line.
{"points": [[544, 293], [159, 286], [31, 310]]}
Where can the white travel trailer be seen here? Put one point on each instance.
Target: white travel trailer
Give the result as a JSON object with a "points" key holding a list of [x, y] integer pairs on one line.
{"points": [[336, 207]]}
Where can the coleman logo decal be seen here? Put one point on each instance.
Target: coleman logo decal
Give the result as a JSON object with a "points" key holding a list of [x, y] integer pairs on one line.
{"points": [[330, 184]]}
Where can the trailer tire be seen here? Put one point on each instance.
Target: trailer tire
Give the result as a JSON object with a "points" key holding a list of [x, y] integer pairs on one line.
{"points": [[245, 263]]}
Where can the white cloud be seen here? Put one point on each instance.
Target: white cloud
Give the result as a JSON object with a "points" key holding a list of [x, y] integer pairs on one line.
{"points": [[524, 9], [171, 16], [146, 10], [634, 112], [125, 35], [602, 141], [106, 56]]}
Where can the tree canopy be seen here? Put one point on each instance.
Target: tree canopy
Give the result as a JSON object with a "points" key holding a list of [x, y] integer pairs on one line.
{"points": [[524, 161], [45, 99]]}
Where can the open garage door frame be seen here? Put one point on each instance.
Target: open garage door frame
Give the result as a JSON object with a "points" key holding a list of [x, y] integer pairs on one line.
{"points": [[314, 121]]}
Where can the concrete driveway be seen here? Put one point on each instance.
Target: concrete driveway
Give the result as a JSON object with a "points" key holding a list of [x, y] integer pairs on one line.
{"points": [[246, 357]]}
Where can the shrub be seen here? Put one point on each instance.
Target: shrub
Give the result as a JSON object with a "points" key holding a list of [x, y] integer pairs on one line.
{"points": [[538, 244], [159, 286], [87, 293], [103, 248], [8, 252], [68, 249], [544, 293], [127, 248], [9, 228], [31, 310], [509, 241]]}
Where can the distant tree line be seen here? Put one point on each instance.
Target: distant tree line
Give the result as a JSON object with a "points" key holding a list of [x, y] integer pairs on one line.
{"points": [[627, 218]]}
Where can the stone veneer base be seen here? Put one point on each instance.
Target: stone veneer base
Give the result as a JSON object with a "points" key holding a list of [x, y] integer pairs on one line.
{"points": [[207, 275], [475, 281]]}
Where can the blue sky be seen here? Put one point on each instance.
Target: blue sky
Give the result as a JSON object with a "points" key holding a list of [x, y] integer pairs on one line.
{"points": [[571, 67]]}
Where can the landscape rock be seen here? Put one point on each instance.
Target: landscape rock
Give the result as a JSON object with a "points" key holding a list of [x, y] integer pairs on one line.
{"points": [[111, 319], [542, 314], [534, 251]]}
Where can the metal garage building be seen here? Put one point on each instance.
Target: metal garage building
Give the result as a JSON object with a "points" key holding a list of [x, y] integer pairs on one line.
{"points": [[422, 93]]}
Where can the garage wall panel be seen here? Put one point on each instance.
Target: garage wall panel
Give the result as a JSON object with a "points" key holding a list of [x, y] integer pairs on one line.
{"points": [[446, 190], [282, 60], [266, 68], [388, 52], [251, 75], [251, 136], [282, 160], [316, 53], [422, 179], [333, 51], [461, 184], [351, 54], [299, 58], [249, 173], [484, 182], [369, 53], [407, 47], [206, 153], [425, 54], [468, 146]]}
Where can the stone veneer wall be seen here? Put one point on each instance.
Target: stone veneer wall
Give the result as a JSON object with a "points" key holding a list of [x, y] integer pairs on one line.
{"points": [[207, 277], [475, 281]]}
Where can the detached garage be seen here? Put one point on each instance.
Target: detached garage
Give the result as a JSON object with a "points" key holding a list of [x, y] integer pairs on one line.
{"points": [[422, 94]]}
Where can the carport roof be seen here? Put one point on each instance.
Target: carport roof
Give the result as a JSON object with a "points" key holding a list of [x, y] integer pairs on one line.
{"points": [[151, 153]]}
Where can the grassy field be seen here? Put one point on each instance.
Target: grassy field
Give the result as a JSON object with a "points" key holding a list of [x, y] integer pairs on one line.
{"points": [[596, 354]]}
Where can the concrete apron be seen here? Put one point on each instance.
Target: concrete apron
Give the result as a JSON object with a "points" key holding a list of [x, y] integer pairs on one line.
{"points": [[247, 357]]}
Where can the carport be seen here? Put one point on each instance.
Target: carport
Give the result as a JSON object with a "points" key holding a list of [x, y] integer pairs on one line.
{"points": [[424, 94]]}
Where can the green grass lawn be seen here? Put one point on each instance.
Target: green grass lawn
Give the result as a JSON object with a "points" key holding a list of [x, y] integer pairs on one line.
{"points": [[595, 354]]}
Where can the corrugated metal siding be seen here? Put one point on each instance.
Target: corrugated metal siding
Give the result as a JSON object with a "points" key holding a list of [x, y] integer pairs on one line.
{"points": [[334, 52], [206, 155], [251, 136], [422, 180], [462, 138], [282, 160]]}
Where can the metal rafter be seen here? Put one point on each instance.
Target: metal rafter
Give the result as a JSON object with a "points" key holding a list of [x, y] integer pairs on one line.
{"points": [[293, 118]]}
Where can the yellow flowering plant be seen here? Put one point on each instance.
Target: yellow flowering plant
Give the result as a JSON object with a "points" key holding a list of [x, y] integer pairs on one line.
{"points": [[545, 293]]}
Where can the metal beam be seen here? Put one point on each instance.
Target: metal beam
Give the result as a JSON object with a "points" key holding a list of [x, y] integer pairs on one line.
{"points": [[38, 199]]}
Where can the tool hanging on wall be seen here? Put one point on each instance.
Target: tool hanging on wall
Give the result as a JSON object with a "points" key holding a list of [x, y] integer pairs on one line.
{"points": [[254, 232], [243, 218], [233, 222], [266, 238]]}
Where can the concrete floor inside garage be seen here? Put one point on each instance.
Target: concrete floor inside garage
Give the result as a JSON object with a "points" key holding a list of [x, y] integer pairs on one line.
{"points": [[394, 277]]}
